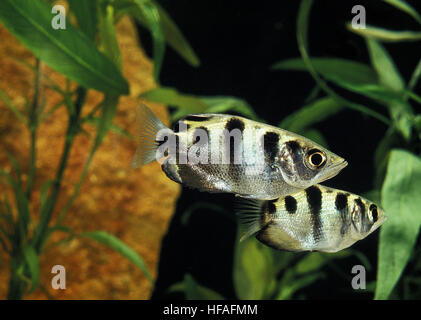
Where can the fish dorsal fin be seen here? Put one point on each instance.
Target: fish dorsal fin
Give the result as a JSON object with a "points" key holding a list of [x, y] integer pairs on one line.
{"points": [[147, 128], [250, 216]]}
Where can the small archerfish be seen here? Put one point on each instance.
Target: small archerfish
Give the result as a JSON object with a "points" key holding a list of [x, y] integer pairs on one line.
{"points": [[317, 218], [232, 154]]}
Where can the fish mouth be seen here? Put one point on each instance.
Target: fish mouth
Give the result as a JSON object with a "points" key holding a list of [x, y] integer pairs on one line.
{"points": [[335, 169]]}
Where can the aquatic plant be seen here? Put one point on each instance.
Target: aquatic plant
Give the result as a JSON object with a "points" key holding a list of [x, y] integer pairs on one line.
{"points": [[89, 56]]}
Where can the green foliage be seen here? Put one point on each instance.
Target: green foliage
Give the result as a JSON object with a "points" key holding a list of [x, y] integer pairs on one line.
{"points": [[69, 52], [401, 202], [382, 83], [116, 244], [89, 55], [188, 104], [193, 290]]}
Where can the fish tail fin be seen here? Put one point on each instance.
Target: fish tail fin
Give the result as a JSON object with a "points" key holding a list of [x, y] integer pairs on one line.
{"points": [[250, 216], [147, 127]]}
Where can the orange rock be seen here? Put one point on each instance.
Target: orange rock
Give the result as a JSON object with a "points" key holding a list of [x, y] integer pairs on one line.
{"points": [[134, 205]]}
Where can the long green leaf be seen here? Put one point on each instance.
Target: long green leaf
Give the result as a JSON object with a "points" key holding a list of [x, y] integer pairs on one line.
{"points": [[116, 244], [334, 69], [186, 103], [386, 35], [171, 32], [151, 14], [405, 7], [253, 269], [224, 104], [195, 291], [11, 106], [31, 259], [107, 33], [310, 114], [302, 33], [390, 77], [402, 202], [68, 51], [85, 12]]}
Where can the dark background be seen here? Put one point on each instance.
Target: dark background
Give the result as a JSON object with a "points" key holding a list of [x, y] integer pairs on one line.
{"points": [[237, 42]]}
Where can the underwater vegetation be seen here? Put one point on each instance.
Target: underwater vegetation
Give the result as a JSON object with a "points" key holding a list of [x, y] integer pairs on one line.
{"points": [[69, 197]]}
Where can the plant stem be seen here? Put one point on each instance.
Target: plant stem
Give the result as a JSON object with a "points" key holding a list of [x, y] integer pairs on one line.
{"points": [[33, 124], [47, 211]]}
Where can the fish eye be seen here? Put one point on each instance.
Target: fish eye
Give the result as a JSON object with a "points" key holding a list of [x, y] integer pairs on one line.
{"points": [[374, 212], [316, 158]]}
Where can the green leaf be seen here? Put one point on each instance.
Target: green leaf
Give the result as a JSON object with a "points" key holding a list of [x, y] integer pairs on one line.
{"points": [[175, 38], [67, 51], [172, 34], [195, 291], [224, 104], [287, 291], [310, 114], [85, 12], [334, 69], [151, 14], [390, 77], [22, 206], [186, 103], [386, 35], [405, 7], [31, 259], [11, 106], [387, 72], [401, 201], [107, 33], [116, 244], [253, 269]]}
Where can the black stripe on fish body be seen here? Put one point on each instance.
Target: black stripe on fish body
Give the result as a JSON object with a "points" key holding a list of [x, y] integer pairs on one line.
{"points": [[341, 204], [235, 171], [178, 124], [197, 118], [271, 146], [314, 200], [290, 204], [374, 212], [365, 223]]}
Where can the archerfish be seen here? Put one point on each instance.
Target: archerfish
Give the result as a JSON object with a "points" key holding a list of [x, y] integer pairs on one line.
{"points": [[317, 218], [232, 154]]}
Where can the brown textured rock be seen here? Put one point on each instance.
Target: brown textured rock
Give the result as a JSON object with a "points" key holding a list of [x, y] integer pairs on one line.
{"points": [[134, 205]]}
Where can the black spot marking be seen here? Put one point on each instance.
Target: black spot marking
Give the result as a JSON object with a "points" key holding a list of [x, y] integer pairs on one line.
{"points": [[341, 201], [198, 118], [359, 203], [314, 199], [294, 146], [271, 145], [341, 204], [180, 125], [235, 123], [290, 204], [374, 212]]}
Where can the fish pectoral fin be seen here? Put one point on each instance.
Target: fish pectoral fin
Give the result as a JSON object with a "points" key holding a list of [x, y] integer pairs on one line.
{"points": [[250, 216]]}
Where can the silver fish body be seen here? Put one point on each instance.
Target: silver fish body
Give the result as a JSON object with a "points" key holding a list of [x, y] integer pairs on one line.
{"points": [[235, 155], [315, 219]]}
